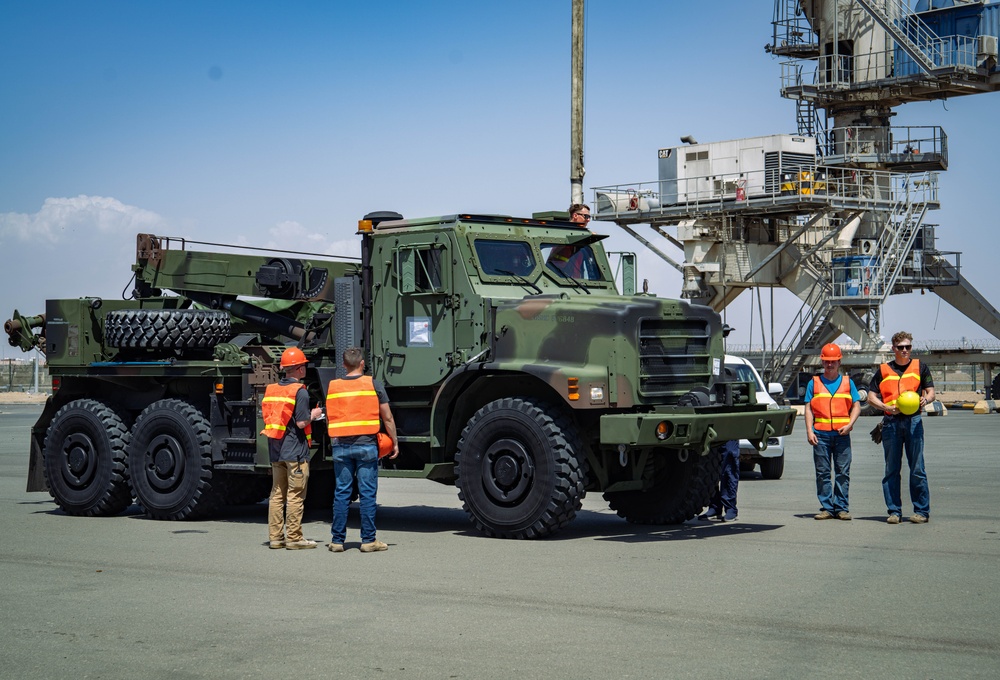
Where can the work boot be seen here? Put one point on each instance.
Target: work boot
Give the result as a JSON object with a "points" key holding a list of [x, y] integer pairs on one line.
{"points": [[304, 544], [919, 519], [335, 547], [710, 513], [893, 519], [374, 546], [276, 545], [823, 514], [844, 515]]}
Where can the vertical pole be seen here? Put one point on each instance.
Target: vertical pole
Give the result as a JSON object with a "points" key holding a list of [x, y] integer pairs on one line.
{"points": [[576, 107], [35, 360]]}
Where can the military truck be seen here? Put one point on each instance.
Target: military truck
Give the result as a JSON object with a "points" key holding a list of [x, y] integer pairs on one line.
{"points": [[515, 369]]}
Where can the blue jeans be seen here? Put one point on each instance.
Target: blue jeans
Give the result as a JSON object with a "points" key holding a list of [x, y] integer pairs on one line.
{"points": [[358, 461], [832, 450], [725, 497], [899, 434]]}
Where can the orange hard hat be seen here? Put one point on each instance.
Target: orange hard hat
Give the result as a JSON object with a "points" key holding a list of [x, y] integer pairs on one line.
{"points": [[293, 356], [831, 352]]}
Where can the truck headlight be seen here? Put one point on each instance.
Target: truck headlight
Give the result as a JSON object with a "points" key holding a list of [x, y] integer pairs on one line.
{"points": [[664, 429], [597, 393]]}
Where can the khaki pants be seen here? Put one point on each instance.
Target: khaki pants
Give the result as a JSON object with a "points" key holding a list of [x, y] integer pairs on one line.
{"points": [[288, 489]]}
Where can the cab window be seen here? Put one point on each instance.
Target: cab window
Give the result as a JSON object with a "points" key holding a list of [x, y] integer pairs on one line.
{"points": [[421, 269], [505, 258], [577, 262]]}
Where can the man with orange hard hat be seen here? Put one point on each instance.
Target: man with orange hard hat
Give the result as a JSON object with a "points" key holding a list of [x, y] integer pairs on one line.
{"points": [[288, 428], [833, 405], [901, 431]]}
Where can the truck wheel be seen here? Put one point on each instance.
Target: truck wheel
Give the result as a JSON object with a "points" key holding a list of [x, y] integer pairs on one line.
{"points": [[772, 468], [84, 459], [170, 460], [166, 328], [520, 469], [681, 488]]}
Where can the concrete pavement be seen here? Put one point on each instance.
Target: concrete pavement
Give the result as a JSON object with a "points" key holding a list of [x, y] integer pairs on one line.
{"points": [[776, 594]]}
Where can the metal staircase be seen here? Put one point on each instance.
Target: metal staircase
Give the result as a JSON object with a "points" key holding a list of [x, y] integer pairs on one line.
{"points": [[898, 236], [813, 328], [916, 39], [811, 123]]}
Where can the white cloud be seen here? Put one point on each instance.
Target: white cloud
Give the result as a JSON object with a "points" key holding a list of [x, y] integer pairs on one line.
{"points": [[62, 218], [290, 235]]}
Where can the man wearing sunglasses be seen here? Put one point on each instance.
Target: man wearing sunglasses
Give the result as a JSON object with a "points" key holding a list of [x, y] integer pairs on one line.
{"points": [[902, 432], [579, 213]]}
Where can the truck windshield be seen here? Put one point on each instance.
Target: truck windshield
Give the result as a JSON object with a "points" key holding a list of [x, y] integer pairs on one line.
{"points": [[745, 374], [572, 261], [505, 258]]}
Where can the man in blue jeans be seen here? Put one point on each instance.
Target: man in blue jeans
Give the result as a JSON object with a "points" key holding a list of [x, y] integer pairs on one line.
{"points": [[723, 503], [355, 407], [901, 431], [832, 407]]}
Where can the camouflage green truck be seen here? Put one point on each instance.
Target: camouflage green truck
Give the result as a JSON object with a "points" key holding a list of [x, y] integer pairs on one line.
{"points": [[515, 369]]}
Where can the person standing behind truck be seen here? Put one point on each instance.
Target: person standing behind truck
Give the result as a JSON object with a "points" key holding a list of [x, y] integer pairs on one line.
{"points": [[832, 407], [723, 504], [899, 431], [355, 406], [288, 427]]}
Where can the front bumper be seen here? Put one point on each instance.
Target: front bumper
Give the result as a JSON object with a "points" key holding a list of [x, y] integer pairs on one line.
{"points": [[696, 427]]}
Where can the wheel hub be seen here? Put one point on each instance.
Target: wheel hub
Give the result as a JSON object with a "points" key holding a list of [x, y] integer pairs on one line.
{"points": [[508, 470], [78, 448], [164, 461]]}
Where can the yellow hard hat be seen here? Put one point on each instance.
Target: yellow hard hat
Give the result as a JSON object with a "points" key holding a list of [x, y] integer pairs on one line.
{"points": [[908, 403]]}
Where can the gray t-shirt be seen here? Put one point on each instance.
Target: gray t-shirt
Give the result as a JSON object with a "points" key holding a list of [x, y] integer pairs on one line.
{"points": [[293, 446]]}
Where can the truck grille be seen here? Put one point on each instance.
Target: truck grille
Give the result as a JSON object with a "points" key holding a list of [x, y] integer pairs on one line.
{"points": [[673, 356]]}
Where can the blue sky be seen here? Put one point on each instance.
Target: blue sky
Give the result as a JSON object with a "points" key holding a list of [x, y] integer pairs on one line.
{"points": [[268, 124]]}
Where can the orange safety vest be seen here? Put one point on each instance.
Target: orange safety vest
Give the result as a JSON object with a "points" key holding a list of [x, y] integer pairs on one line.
{"points": [[352, 407], [277, 407], [832, 411], [893, 384]]}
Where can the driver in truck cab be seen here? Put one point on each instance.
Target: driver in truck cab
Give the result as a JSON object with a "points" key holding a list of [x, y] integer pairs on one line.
{"points": [[569, 260]]}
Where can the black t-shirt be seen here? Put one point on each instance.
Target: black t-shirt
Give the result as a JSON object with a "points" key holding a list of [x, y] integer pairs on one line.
{"points": [[925, 377]]}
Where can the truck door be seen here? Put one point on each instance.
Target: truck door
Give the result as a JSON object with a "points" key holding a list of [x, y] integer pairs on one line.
{"points": [[413, 311]]}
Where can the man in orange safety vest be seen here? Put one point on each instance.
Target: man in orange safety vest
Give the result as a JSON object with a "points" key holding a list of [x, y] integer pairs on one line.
{"points": [[833, 405], [288, 428]]}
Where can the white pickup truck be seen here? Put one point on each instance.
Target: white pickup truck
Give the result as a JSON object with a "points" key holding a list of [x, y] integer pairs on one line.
{"points": [[772, 460]]}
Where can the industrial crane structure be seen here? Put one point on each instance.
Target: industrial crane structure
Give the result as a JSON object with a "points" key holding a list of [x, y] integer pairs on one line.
{"points": [[838, 212]]}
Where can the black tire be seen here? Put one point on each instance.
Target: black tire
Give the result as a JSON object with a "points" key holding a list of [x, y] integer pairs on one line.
{"points": [[84, 459], [166, 328], [747, 465], [170, 460], [683, 483], [520, 468], [772, 468]]}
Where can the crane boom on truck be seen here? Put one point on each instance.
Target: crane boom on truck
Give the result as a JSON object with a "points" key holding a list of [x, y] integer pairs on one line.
{"points": [[515, 369]]}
